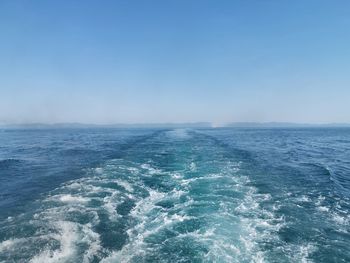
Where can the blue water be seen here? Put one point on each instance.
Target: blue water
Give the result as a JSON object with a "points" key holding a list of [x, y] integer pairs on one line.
{"points": [[182, 195]]}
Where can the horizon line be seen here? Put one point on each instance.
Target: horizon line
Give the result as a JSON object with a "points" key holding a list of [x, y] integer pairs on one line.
{"points": [[204, 124]]}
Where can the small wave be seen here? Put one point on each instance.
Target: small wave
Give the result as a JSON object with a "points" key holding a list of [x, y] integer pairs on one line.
{"points": [[317, 169], [6, 163]]}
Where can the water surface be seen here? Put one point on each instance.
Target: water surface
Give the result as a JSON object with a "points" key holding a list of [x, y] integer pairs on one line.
{"points": [[182, 195]]}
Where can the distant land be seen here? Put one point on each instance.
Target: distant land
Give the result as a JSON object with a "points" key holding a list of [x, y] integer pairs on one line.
{"points": [[171, 125], [118, 125], [283, 124]]}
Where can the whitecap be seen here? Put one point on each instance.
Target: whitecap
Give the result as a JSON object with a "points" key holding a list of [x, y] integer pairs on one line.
{"points": [[67, 198]]}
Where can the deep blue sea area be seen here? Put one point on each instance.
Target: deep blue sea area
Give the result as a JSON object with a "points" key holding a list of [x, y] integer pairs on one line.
{"points": [[175, 195]]}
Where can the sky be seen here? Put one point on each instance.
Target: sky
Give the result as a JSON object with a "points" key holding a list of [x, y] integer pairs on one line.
{"points": [[131, 61]]}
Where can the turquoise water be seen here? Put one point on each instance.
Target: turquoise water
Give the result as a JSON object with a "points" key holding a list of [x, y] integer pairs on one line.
{"points": [[182, 195]]}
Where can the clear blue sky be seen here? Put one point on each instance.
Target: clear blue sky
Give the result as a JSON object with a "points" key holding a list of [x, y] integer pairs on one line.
{"points": [[174, 61]]}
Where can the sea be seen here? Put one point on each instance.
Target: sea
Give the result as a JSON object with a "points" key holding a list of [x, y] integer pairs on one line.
{"points": [[175, 195]]}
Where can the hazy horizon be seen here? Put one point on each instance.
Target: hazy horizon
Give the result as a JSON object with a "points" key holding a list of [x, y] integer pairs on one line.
{"points": [[174, 62], [175, 125]]}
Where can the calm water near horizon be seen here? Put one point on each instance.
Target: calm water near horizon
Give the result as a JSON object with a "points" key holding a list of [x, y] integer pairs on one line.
{"points": [[175, 195]]}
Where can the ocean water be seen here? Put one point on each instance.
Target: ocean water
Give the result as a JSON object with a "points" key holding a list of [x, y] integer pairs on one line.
{"points": [[181, 195]]}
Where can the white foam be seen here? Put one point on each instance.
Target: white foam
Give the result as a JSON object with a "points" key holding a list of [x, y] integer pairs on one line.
{"points": [[341, 220], [67, 198], [110, 204], [208, 177], [146, 204], [177, 193], [67, 238], [193, 166], [133, 170], [323, 208], [11, 244], [70, 235], [301, 253], [151, 170], [177, 176], [99, 170], [258, 257], [137, 234], [303, 198], [93, 239], [125, 185]]}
